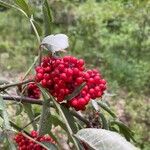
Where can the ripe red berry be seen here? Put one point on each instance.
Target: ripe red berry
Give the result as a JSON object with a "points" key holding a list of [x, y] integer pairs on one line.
{"points": [[23, 143], [39, 76]]}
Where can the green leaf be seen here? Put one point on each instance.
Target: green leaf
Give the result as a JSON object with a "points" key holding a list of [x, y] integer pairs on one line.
{"points": [[122, 125], [75, 92], [59, 109], [6, 126], [57, 122], [100, 139], [70, 119], [49, 146], [45, 119], [30, 113], [54, 137], [47, 18], [4, 4], [106, 108], [24, 6], [104, 121], [38, 27], [123, 129]]}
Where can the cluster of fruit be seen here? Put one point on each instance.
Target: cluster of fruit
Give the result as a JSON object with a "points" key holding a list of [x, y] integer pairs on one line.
{"points": [[61, 76], [33, 91], [24, 143]]}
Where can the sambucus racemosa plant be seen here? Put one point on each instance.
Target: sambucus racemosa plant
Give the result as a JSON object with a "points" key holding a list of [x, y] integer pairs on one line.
{"points": [[65, 86]]}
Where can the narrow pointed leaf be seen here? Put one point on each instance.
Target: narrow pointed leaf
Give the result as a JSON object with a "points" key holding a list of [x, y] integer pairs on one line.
{"points": [[24, 6], [30, 113], [106, 108], [47, 18], [38, 27], [57, 122], [59, 109], [104, 121], [49, 146], [124, 129], [45, 119], [75, 92], [70, 119], [4, 4]]}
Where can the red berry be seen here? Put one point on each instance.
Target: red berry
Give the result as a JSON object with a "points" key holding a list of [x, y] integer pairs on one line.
{"points": [[80, 62], [40, 76], [24, 143], [79, 80], [63, 76], [44, 83]]}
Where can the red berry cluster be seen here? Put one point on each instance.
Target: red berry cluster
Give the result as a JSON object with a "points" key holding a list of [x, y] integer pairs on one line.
{"points": [[93, 89], [61, 76], [23, 143], [33, 91]]}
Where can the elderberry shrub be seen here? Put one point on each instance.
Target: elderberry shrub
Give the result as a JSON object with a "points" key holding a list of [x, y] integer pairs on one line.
{"points": [[24, 143], [61, 76]]}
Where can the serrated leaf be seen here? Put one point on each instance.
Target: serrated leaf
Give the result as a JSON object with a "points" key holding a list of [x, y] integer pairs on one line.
{"points": [[4, 4], [104, 121], [54, 137], [30, 113], [75, 92], [47, 18], [38, 27], [24, 6], [70, 119], [59, 109], [45, 119], [123, 129], [106, 108], [49, 146], [57, 122], [100, 139], [121, 124]]}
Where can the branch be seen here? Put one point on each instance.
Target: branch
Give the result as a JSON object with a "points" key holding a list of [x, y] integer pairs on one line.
{"points": [[40, 102], [22, 99], [2, 88]]}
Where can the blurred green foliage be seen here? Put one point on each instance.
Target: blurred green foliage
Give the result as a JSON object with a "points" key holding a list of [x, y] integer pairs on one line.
{"points": [[113, 35]]}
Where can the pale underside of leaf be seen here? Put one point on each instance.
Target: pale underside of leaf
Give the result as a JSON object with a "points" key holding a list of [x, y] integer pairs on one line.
{"points": [[100, 139]]}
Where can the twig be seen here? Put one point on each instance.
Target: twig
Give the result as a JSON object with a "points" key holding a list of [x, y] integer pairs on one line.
{"points": [[18, 128], [22, 99], [2, 88], [40, 102]]}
